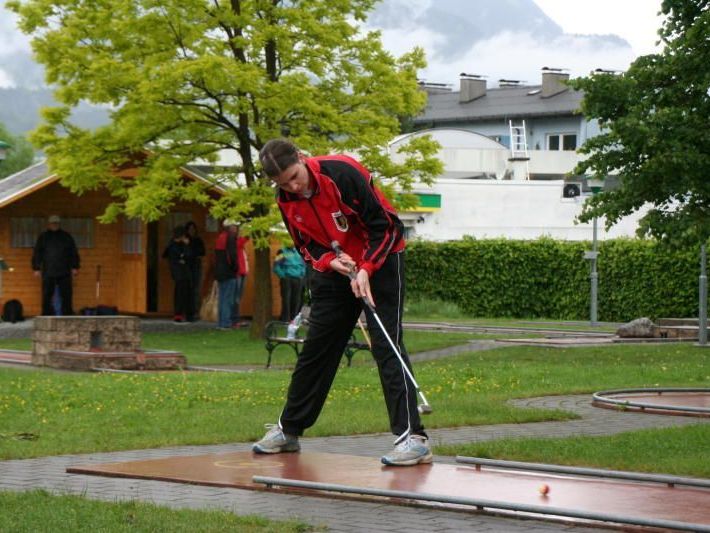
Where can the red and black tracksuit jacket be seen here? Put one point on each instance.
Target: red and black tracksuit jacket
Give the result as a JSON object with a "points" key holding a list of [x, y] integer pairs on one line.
{"points": [[345, 207]]}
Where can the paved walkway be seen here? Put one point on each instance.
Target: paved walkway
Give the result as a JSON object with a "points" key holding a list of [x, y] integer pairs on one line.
{"points": [[338, 515]]}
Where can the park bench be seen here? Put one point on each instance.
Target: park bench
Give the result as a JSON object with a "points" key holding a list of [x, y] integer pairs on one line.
{"points": [[276, 334]]}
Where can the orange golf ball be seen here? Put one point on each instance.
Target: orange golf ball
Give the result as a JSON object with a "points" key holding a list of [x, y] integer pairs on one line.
{"points": [[544, 489]]}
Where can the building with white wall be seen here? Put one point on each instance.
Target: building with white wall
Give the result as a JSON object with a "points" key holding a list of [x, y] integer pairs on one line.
{"points": [[477, 195]]}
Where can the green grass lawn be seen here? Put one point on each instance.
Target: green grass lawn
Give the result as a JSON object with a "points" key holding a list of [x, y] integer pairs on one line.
{"points": [[76, 413], [36, 511], [16, 344], [234, 347], [677, 451]]}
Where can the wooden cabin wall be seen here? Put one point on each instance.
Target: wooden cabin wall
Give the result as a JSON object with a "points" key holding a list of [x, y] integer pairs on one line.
{"points": [[55, 199], [123, 276]]}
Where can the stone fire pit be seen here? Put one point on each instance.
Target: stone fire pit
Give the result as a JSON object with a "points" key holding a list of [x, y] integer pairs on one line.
{"points": [[90, 342]]}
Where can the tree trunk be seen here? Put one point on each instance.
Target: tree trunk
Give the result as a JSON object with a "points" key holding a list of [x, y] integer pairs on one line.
{"points": [[262, 294]]}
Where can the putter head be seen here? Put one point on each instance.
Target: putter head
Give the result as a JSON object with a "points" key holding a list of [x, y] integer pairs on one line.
{"points": [[424, 409]]}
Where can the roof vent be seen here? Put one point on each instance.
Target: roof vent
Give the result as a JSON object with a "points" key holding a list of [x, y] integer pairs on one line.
{"points": [[510, 83], [434, 88], [605, 71]]}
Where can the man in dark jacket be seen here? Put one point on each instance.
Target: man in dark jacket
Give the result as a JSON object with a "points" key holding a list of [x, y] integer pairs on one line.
{"points": [[178, 253], [56, 259]]}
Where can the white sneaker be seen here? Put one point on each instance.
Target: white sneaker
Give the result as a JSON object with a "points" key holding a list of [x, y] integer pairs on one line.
{"points": [[276, 441], [411, 451]]}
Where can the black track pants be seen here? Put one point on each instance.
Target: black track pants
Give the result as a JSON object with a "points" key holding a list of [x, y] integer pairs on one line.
{"points": [[334, 313]]}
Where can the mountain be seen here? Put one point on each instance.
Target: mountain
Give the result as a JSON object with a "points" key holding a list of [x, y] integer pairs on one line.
{"points": [[20, 110], [459, 24], [451, 28]]}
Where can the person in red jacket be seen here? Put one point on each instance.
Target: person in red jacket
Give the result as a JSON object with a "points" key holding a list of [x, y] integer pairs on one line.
{"points": [[241, 277], [322, 200]]}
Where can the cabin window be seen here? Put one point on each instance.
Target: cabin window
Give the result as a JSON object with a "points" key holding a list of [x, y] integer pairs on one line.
{"points": [[132, 238], [25, 230], [82, 229], [562, 141], [211, 224]]}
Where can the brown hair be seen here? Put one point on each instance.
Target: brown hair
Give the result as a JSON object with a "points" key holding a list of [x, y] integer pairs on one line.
{"points": [[277, 155]]}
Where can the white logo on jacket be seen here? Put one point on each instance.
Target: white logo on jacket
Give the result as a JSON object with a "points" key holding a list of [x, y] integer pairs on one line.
{"points": [[341, 221]]}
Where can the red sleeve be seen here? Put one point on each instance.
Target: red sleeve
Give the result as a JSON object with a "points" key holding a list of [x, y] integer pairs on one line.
{"points": [[221, 242]]}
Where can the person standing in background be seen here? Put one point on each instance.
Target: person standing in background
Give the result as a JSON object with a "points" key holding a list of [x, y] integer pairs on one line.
{"points": [[178, 254], [241, 277], [290, 268], [225, 271], [55, 259], [197, 252]]}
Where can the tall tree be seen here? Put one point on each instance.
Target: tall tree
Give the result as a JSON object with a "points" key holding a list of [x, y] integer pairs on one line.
{"points": [[19, 155], [188, 78], [655, 134]]}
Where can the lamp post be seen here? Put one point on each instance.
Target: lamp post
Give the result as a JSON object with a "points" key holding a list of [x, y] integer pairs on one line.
{"points": [[595, 185], [703, 296], [3, 267]]}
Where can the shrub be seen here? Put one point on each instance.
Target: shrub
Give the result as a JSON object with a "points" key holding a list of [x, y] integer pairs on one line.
{"points": [[546, 278]]}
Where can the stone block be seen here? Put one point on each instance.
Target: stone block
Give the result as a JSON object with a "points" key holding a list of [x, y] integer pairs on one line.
{"points": [[639, 328]]}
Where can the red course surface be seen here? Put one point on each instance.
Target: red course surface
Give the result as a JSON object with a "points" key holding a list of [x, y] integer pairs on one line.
{"points": [[611, 497]]}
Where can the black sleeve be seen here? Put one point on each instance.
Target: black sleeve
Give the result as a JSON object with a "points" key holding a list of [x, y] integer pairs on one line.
{"points": [[384, 229], [75, 262], [38, 253], [198, 248]]}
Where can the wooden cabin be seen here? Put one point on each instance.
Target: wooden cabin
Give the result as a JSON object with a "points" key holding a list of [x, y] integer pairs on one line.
{"points": [[121, 262]]}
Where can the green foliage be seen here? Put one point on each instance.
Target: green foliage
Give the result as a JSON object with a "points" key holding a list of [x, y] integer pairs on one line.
{"points": [[654, 131], [187, 79], [550, 279], [19, 155], [431, 308]]}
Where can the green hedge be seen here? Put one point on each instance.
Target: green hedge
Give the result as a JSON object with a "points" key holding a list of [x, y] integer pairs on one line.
{"points": [[546, 278]]}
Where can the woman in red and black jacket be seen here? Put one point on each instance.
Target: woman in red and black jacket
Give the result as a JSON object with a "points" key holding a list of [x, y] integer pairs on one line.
{"points": [[322, 200]]}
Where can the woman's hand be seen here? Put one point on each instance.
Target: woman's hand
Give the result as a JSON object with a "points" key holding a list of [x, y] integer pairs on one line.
{"points": [[361, 286], [343, 264]]}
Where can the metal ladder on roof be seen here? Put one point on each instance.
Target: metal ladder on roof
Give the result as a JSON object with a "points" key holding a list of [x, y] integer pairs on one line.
{"points": [[519, 149]]}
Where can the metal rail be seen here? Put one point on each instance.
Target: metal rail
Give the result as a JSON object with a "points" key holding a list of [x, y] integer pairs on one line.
{"points": [[482, 504], [592, 472], [601, 397]]}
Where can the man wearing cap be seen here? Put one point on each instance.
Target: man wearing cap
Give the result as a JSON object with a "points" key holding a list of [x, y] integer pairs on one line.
{"points": [[225, 271], [56, 259]]}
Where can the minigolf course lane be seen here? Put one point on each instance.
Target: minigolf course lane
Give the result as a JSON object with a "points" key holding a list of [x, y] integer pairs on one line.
{"points": [[570, 495]]}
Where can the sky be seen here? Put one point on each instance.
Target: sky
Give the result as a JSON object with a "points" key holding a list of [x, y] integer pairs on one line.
{"points": [[520, 55], [507, 55], [589, 17]]}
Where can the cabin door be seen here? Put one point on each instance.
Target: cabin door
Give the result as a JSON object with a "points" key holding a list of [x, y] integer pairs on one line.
{"points": [[153, 267], [131, 289]]}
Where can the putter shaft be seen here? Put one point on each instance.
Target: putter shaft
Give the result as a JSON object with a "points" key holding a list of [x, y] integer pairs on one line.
{"points": [[424, 408]]}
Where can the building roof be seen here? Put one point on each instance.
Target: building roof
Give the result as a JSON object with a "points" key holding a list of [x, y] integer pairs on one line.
{"points": [[503, 102], [24, 182]]}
